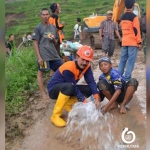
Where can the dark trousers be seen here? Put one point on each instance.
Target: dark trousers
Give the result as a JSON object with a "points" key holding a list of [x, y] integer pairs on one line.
{"points": [[69, 90], [108, 46], [104, 86], [58, 48]]}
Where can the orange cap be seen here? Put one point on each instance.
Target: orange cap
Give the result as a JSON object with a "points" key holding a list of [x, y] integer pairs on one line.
{"points": [[85, 52]]}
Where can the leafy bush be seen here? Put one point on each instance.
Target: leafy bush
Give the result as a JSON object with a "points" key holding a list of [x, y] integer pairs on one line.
{"points": [[21, 71]]}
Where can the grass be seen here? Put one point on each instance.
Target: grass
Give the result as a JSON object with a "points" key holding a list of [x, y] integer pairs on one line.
{"points": [[21, 70]]}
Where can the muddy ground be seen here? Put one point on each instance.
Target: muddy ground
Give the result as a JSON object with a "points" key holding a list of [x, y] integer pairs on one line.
{"points": [[32, 130]]}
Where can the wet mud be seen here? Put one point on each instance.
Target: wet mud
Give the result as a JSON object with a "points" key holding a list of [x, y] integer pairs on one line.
{"points": [[43, 135]]}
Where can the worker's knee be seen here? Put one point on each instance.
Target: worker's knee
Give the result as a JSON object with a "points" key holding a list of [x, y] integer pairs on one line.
{"points": [[133, 82], [102, 85], [68, 89]]}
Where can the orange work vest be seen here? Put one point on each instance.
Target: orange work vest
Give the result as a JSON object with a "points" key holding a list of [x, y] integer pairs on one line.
{"points": [[60, 32]]}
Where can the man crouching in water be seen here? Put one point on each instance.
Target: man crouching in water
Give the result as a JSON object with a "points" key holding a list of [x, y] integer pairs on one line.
{"points": [[63, 85]]}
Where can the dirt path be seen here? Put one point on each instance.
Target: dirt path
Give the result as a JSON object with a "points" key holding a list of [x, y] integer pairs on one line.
{"points": [[43, 135]]}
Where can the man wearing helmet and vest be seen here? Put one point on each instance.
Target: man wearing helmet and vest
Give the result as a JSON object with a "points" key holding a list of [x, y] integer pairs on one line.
{"points": [[63, 85]]}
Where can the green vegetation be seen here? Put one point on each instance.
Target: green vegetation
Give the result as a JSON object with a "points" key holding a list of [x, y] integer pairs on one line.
{"points": [[21, 70]]}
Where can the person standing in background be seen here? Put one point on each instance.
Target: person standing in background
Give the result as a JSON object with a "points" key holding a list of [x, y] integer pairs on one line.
{"points": [[45, 38], [10, 45], [54, 20], [77, 30], [24, 40], [106, 32], [131, 40]]}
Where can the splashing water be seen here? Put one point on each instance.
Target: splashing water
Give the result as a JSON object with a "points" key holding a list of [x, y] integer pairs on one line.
{"points": [[86, 124]]}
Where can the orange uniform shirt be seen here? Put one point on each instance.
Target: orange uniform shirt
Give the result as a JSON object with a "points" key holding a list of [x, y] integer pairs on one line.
{"points": [[130, 26]]}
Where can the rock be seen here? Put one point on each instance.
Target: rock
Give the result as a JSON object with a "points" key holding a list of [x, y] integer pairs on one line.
{"points": [[31, 99], [35, 102]]}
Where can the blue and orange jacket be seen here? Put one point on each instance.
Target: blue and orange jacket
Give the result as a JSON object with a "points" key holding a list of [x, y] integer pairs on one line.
{"points": [[130, 26], [70, 72], [54, 20], [114, 78]]}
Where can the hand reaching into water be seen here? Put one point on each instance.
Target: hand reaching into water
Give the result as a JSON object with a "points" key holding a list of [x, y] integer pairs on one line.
{"points": [[97, 102]]}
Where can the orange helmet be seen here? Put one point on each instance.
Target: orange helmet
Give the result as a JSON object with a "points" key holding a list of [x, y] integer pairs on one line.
{"points": [[85, 52]]}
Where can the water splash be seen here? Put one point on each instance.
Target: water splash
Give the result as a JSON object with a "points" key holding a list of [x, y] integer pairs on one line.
{"points": [[92, 127]]}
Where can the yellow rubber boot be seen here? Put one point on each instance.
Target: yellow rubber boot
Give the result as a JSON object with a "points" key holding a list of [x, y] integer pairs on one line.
{"points": [[70, 103], [60, 103]]}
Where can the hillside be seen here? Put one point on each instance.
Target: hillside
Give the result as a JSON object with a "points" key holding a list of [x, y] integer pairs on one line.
{"points": [[23, 15]]}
